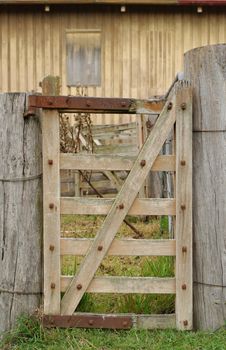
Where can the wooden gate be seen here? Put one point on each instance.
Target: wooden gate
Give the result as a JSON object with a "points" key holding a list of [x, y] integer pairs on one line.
{"points": [[174, 111]]}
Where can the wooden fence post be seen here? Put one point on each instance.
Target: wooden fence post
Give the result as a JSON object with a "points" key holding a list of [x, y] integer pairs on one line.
{"points": [[20, 210], [205, 69]]}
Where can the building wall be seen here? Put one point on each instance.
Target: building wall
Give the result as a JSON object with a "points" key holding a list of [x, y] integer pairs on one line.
{"points": [[142, 49]]}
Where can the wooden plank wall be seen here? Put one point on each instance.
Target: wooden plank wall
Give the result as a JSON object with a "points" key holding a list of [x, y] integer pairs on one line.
{"points": [[142, 49]]}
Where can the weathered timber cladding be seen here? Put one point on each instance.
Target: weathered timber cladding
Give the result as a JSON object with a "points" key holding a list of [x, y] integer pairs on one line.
{"points": [[20, 211], [205, 67], [142, 49]]}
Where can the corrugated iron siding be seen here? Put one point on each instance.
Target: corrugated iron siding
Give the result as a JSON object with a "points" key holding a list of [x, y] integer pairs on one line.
{"points": [[142, 49]]}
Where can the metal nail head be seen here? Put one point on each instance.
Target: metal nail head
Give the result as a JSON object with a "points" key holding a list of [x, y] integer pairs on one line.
{"points": [[183, 106], [170, 106], [143, 163]]}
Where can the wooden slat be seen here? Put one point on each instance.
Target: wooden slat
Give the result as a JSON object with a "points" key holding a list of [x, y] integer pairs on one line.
{"points": [[184, 209], [120, 208], [96, 184], [126, 285], [115, 181], [51, 195], [102, 206], [121, 247], [110, 162], [155, 321]]}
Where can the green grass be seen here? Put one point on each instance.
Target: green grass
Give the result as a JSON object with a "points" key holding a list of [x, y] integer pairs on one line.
{"points": [[30, 335], [151, 303]]}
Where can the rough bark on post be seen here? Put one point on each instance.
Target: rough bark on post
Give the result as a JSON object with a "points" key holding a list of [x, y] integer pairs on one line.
{"points": [[20, 210], [205, 67]]}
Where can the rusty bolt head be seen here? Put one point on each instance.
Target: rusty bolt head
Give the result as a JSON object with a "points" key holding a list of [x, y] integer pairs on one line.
{"points": [[185, 322], [121, 206], [51, 247], [170, 106], [53, 286], [90, 322], [184, 249], [149, 124], [29, 113], [143, 163], [50, 162], [100, 247], [124, 323], [51, 205], [184, 287], [123, 104], [183, 106], [183, 206], [79, 286], [88, 104], [182, 162], [50, 103]]}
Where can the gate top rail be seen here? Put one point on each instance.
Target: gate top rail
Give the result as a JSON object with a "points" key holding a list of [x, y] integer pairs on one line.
{"points": [[96, 104]]}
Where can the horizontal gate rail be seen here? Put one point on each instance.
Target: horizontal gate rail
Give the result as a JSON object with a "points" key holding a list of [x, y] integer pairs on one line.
{"points": [[126, 285], [111, 162], [121, 247], [102, 206]]}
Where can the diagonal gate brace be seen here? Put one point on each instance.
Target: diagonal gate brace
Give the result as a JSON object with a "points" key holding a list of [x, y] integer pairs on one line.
{"points": [[122, 204]]}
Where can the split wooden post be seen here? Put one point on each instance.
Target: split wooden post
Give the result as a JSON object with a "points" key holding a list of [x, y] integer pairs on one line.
{"points": [[184, 209], [205, 69], [120, 207], [20, 210], [51, 200]]}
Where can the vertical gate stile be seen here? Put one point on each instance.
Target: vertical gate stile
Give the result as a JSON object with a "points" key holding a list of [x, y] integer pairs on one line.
{"points": [[51, 203], [184, 207]]}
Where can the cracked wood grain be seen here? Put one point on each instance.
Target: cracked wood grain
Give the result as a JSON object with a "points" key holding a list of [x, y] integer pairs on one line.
{"points": [[205, 67], [20, 211]]}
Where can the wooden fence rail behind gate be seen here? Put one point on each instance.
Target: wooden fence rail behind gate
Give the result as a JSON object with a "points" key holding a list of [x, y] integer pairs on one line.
{"points": [[176, 110]]}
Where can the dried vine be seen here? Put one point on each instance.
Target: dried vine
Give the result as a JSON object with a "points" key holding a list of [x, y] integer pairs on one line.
{"points": [[72, 131]]}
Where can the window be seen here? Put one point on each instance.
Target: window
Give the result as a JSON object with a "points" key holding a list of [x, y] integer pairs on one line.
{"points": [[83, 57]]}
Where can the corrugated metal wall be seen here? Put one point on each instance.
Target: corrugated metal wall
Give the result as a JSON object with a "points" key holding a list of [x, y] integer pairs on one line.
{"points": [[142, 49]]}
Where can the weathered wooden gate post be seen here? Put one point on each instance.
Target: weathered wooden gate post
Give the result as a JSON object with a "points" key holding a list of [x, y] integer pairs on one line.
{"points": [[20, 210], [205, 67]]}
